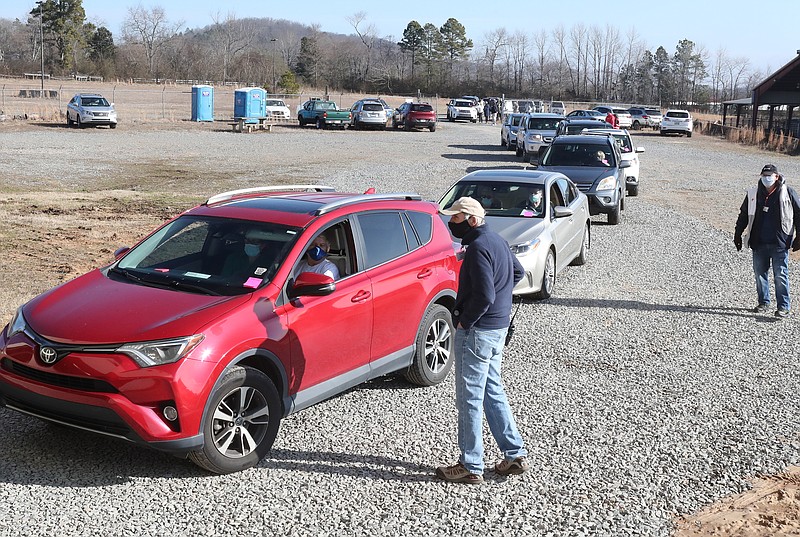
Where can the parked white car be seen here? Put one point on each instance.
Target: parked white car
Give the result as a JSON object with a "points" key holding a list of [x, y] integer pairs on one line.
{"points": [[557, 107], [277, 109], [91, 109], [678, 122], [462, 109]]}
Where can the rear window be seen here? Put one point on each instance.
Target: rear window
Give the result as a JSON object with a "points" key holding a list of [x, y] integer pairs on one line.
{"points": [[653, 111], [373, 107], [421, 108], [678, 114]]}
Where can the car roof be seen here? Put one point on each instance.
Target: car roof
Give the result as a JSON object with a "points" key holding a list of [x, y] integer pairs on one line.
{"points": [[581, 120], [543, 114], [512, 174], [293, 205], [88, 95], [579, 138], [607, 131]]}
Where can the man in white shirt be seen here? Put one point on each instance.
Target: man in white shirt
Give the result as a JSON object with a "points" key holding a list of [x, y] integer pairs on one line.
{"points": [[315, 259]]}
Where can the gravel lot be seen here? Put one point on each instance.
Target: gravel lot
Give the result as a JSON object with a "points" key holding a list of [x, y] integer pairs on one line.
{"points": [[644, 388]]}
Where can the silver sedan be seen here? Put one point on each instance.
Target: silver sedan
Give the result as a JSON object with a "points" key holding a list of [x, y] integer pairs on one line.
{"points": [[542, 215]]}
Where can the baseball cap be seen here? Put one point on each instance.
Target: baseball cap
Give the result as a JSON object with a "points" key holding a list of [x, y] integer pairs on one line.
{"points": [[466, 205], [769, 169]]}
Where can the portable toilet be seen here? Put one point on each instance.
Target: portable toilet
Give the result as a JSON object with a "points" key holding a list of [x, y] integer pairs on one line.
{"points": [[250, 103], [202, 103]]}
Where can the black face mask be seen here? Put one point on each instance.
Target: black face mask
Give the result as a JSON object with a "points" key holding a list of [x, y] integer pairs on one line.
{"points": [[460, 229]]}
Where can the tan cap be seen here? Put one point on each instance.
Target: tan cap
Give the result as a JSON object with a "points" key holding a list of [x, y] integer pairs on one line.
{"points": [[466, 205]]}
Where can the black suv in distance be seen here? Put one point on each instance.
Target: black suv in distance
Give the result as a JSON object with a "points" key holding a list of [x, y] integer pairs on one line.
{"points": [[595, 165]]}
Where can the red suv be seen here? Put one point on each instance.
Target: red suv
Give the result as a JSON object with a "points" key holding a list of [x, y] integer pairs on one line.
{"points": [[200, 338], [413, 115]]}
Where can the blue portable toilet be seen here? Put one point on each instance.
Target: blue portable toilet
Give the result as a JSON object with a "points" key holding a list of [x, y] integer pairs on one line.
{"points": [[250, 103], [202, 103]]}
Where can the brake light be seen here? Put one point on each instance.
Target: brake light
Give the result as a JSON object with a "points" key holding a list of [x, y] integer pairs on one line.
{"points": [[325, 114], [645, 117]]}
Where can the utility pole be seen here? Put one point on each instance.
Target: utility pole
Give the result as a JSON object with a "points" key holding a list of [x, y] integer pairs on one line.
{"points": [[41, 38], [273, 41]]}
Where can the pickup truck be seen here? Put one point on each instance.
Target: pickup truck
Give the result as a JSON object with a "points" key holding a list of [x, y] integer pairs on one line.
{"points": [[322, 114]]}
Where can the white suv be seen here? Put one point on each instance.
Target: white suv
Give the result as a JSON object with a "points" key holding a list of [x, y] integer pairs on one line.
{"points": [[677, 121]]}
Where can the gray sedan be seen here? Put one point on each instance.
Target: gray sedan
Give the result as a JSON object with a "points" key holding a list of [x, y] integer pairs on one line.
{"points": [[542, 215]]}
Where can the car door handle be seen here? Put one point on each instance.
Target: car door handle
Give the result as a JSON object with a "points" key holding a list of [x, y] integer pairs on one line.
{"points": [[361, 296], [424, 273]]}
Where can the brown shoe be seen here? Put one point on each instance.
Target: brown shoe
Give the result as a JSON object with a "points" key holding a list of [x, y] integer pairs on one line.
{"points": [[514, 467], [458, 474]]}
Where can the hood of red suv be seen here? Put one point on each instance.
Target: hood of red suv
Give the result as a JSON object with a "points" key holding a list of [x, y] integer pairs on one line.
{"points": [[93, 309]]}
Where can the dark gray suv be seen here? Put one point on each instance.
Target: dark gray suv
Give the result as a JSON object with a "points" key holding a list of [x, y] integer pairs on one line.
{"points": [[595, 165]]}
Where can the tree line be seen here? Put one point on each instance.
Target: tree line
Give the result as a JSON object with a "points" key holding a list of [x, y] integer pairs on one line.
{"points": [[579, 63]]}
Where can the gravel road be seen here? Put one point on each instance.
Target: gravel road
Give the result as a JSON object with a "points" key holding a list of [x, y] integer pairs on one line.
{"points": [[644, 388]]}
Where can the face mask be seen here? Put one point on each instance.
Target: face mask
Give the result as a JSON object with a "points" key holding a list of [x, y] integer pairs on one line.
{"points": [[251, 250], [768, 180], [486, 202], [536, 199], [316, 253], [460, 229]]}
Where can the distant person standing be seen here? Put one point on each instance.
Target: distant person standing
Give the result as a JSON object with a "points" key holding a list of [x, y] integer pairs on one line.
{"points": [[612, 120], [482, 315], [487, 109], [493, 111], [768, 219], [480, 107]]}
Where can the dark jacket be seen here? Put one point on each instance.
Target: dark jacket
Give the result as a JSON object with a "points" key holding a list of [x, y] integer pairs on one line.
{"points": [[488, 275], [766, 227]]}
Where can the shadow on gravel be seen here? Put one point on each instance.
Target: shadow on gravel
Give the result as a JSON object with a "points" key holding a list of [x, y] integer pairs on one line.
{"points": [[51, 455], [483, 147], [639, 305], [501, 157]]}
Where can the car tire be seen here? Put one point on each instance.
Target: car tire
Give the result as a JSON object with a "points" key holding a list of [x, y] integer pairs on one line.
{"points": [[432, 128], [78, 122], [474, 120], [113, 125], [300, 121], [615, 216], [633, 190], [407, 126], [224, 451], [69, 120], [526, 157], [518, 151], [586, 243], [434, 348], [688, 134], [503, 142], [320, 124], [636, 126], [548, 277]]}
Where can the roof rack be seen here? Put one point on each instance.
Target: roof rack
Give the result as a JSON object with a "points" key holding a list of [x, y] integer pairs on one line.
{"points": [[328, 207], [225, 196]]}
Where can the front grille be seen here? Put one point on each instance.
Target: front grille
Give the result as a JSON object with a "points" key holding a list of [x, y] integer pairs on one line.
{"points": [[53, 379], [584, 188]]}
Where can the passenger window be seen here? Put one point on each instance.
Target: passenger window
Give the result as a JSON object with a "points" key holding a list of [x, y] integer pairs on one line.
{"points": [[423, 225], [556, 198], [384, 237], [566, 191]]}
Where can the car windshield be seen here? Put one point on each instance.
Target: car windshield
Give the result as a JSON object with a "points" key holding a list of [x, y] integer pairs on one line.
{"points": [[501, 198], [421, 108], [275, 102], [463, 104], [94, 101], [543, 124], [579, 154], [218, 256]]}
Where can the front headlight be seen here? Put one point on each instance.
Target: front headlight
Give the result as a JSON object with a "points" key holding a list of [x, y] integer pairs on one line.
{"points": [[607, 183], [16, 325], [166, 351], [525, 248], [535, 137]]}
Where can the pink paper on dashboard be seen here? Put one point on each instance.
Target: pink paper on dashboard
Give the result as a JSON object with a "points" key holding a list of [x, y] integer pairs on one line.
{"points": [[252, 282]]}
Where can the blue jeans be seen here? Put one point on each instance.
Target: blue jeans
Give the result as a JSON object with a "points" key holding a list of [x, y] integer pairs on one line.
{"points": [[779, 257], [479, 389]]}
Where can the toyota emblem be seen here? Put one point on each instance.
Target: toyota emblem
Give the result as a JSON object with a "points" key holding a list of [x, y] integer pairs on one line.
{"points": [[48, 355]]}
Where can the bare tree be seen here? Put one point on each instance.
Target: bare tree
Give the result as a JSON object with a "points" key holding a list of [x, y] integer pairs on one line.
{"points": [[494, 42], [151, 30], [230, 37], [541, 45], [367, 34]]}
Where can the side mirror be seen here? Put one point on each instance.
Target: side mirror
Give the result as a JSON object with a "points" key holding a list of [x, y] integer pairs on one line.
{"points": [[119, 252], [311, 284], [625, 164], [640, 149], [562, 212]]}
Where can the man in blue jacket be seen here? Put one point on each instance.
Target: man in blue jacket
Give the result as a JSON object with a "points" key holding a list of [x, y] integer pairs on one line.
{"points": [[481, 315], [768, 219]]}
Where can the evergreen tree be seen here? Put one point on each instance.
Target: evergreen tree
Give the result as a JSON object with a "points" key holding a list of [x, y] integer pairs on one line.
{"points": [[308, 60], [62, 24], [413, 42], [453, 44]]}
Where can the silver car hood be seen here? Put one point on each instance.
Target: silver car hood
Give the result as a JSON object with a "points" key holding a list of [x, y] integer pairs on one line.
{"points": [[516, 230]]}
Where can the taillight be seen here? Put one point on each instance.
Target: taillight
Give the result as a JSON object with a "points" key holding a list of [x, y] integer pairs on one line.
{"points": [[325, 115], [645, 117]]}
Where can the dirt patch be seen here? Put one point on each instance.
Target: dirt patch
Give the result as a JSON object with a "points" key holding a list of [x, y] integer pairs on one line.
{"points": [[770, 508]]}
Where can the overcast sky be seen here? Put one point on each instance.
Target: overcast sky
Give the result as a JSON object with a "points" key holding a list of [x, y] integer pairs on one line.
{"points": [[741, 27]]}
